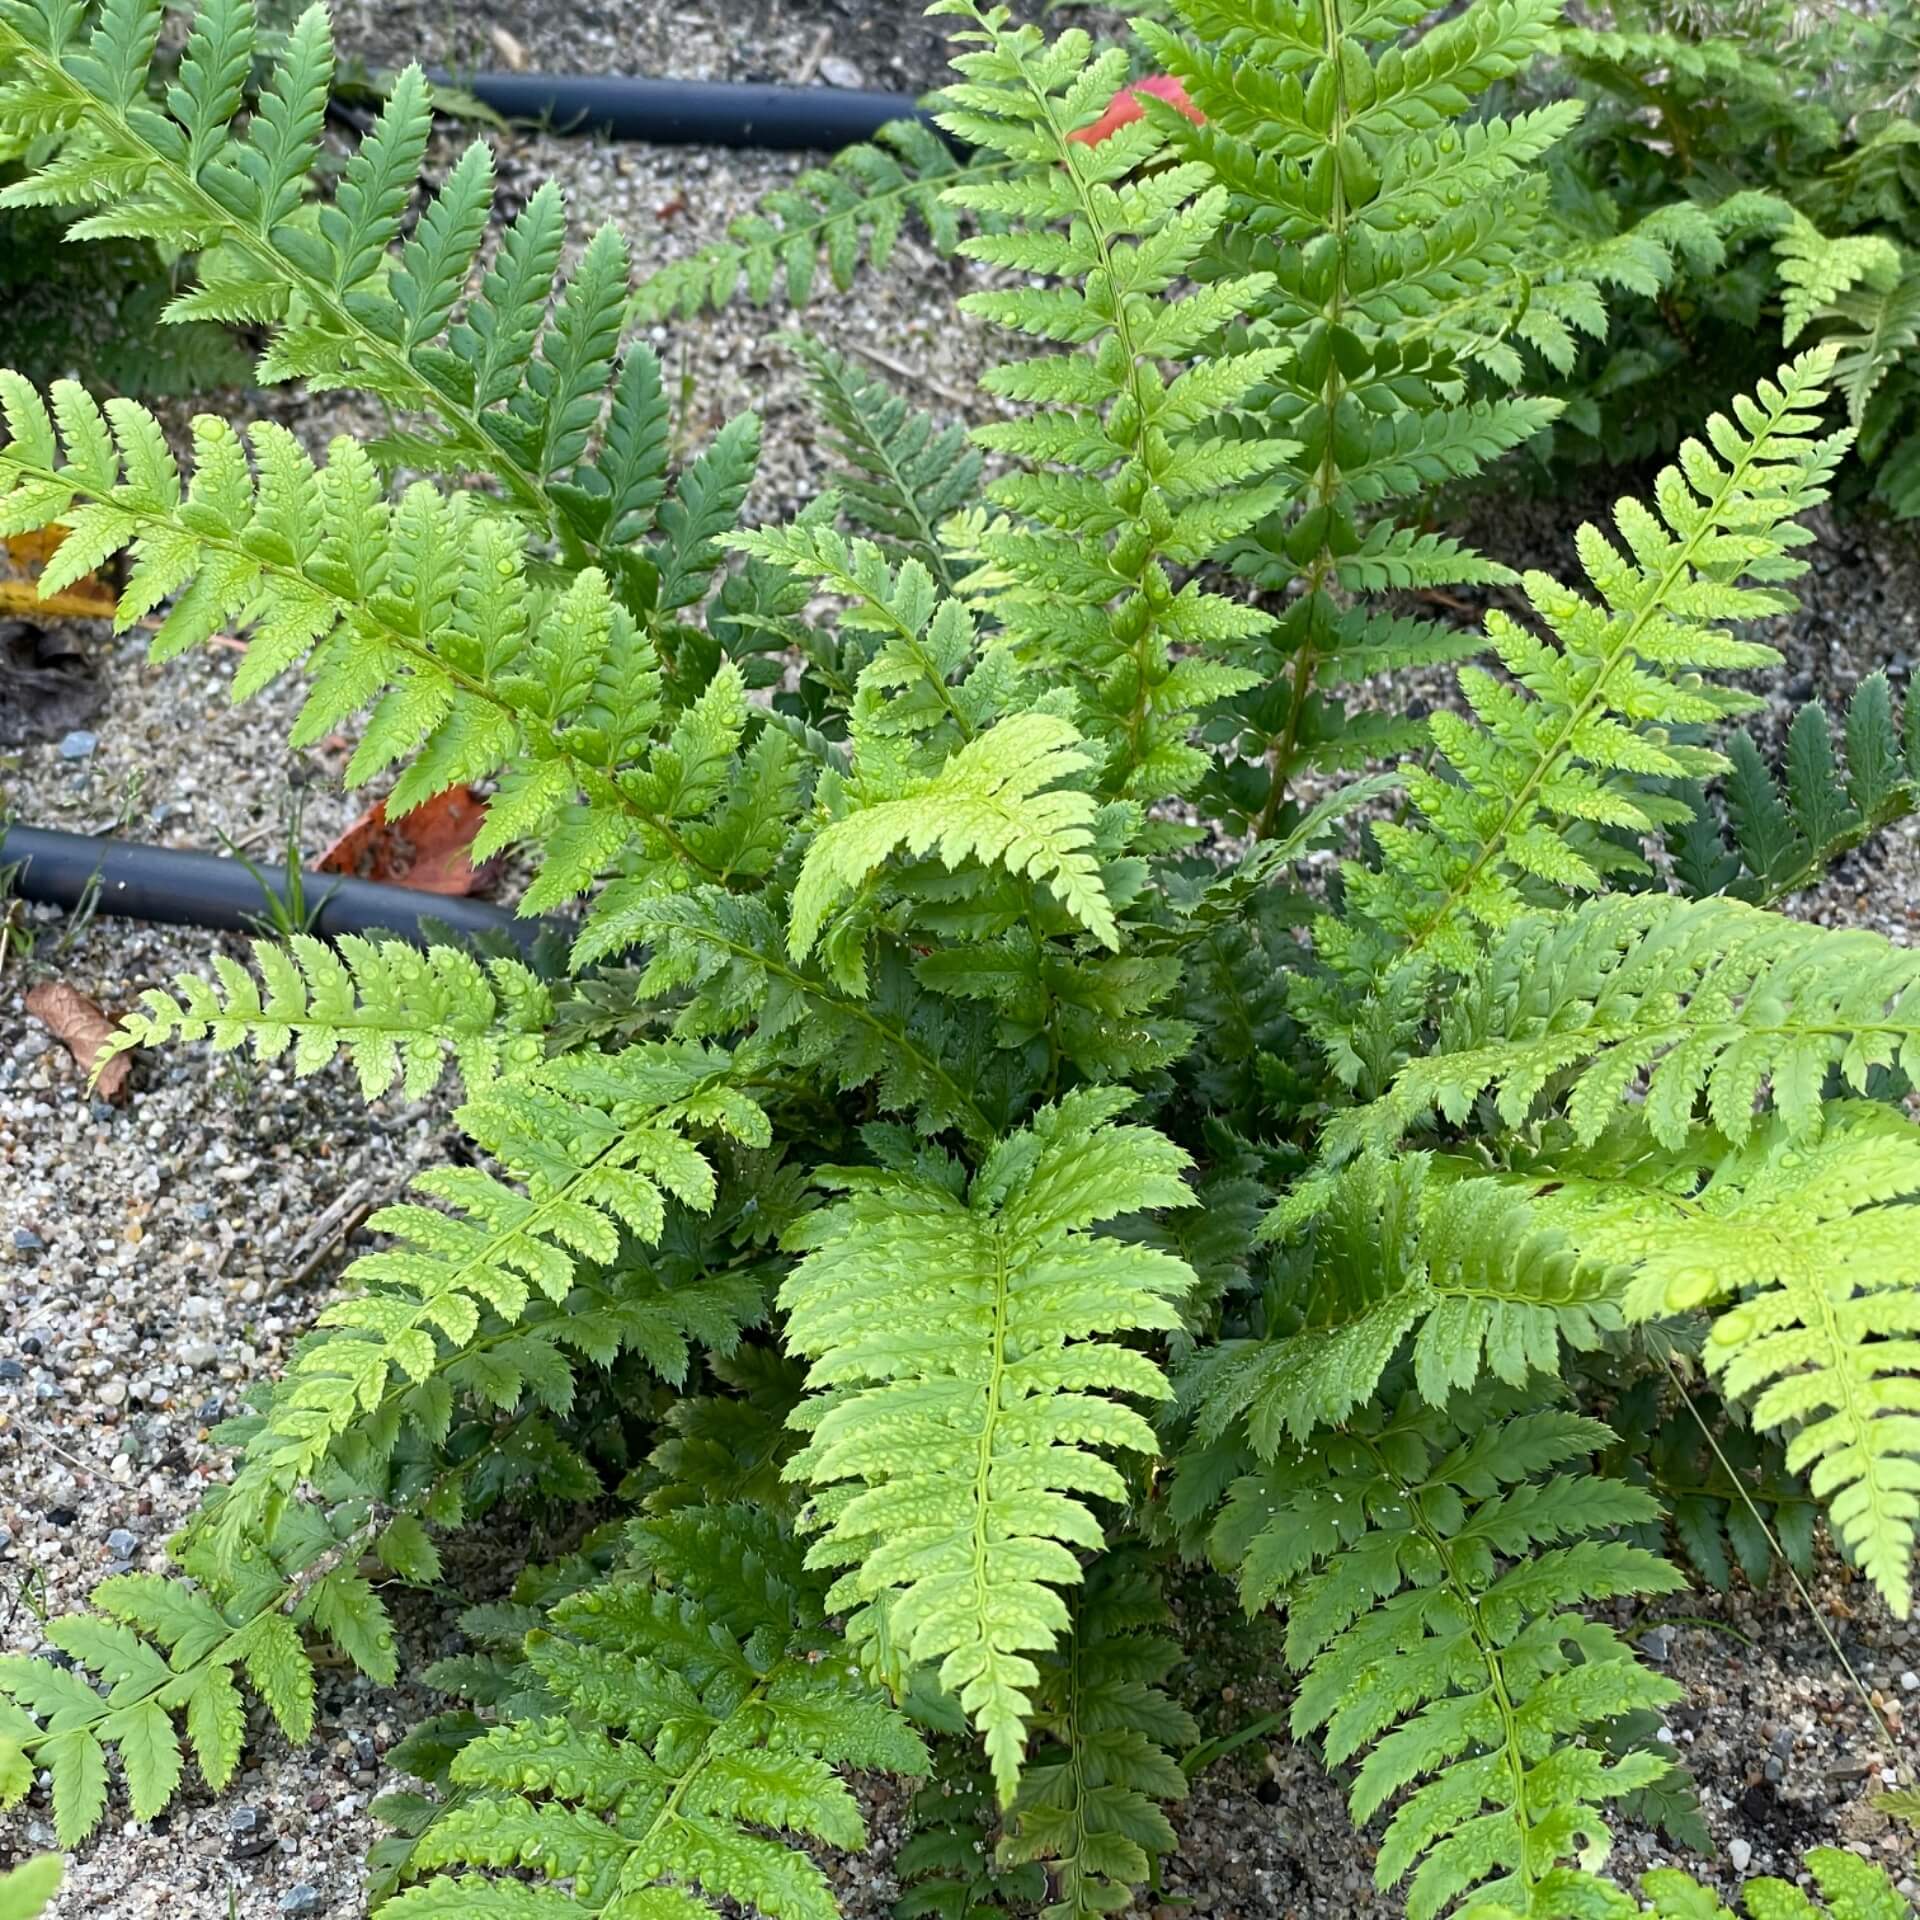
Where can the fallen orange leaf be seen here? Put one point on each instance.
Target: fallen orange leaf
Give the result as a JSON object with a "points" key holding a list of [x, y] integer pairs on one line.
{"points": [[1124, 109], [89, 598], [426, 849], [79, 1025]]}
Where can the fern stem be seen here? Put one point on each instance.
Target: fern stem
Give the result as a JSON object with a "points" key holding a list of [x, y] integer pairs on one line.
{"points": [[1327, 481], [489, 455]]}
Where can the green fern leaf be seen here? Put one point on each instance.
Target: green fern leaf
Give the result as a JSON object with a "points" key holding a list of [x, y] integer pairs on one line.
{"points": [[955, 1434]]}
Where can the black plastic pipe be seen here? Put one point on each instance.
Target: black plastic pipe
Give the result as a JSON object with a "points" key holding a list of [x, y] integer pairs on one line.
{"points": [[689, 112], [203, 890]]}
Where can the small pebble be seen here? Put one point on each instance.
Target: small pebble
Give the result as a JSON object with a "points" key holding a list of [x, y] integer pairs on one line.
{"points": [[111, 1393], [78, 744], [10, 1371], [1740, 1855], [25, 1240], [1910, 1681], [122, 1544], [1657, 1644], [303, 1899], [837, 72]]}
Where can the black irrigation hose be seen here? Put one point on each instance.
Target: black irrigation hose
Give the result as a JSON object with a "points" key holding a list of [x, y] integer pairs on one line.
{"points": [[690, 112], [204, 890]]}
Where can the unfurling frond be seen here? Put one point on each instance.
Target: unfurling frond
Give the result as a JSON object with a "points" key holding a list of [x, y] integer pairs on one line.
{"points": [[966, 1387], [1434, 1568]]}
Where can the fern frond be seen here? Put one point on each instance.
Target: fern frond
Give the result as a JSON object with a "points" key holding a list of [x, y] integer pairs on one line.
{"points": [[1364, 221], [963, 1388], [1434, 1569], [1090, 1799], [1816, 271], [1461, 1272], [171, 1653], [1126, 476], [948, 1868], [683, 1721], [597, 1145], [425, 609], [998, 800], [1786, 834], [1881, 328], [1803, 1246], [900, 475], [1705, 999], [1544, 780], [858, 204], [1849, 1888], [399, 1014]]}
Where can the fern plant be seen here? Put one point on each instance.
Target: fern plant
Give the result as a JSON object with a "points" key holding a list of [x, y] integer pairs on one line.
{"points": [[990, 1136]]}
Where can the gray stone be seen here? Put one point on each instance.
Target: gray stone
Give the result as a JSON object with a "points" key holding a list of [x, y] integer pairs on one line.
{"points": [[25, 1240], [303, 1899], [78, 744], [837, 72], [1657, 1644], [122, 1544]]}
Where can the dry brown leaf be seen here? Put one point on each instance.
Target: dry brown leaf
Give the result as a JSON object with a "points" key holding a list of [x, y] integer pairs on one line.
{"points": [[426, 849], [79, 1025], [89, 598]]}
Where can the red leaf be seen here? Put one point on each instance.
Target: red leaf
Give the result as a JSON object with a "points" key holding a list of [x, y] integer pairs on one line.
{"points": [[79, 1025], [426, 849], [1125, 109]]}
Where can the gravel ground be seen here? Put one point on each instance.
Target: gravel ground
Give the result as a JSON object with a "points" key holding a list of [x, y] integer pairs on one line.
{"points": [[149, 1250]]}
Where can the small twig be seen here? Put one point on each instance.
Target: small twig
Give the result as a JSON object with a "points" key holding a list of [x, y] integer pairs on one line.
{"points": [[45, 1439], [337, 1223], [901, 371], [810, 65], [1800, 1586]]}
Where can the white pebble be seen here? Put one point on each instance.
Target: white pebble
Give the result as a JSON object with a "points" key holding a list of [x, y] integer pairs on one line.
{"points": [[1740, 1854]]}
